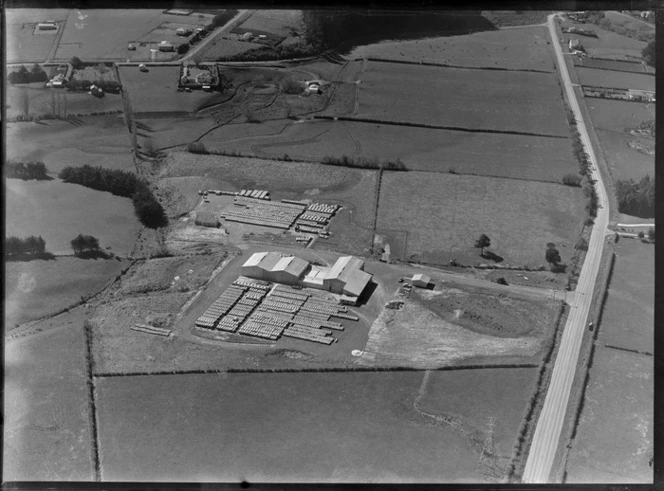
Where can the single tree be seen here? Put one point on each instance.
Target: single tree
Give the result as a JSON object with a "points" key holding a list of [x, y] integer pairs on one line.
{"points": [[641, 234], [482, 242], [552, 255], [76, 63], [648, 53], [651, 234]]}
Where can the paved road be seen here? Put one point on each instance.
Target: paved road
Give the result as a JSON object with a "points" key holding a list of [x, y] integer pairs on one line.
{"points": [[549, 426], [213, 35]]}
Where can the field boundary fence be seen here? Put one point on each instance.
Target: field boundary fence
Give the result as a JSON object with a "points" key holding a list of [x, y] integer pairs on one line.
{"points": [[462, 67]]}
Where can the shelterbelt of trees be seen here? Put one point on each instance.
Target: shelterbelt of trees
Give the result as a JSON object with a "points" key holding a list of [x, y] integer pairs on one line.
{"points": [[26, 170], [120, 183], [31, 247]]}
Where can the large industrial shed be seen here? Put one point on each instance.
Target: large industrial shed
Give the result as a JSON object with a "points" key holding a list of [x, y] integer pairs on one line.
{"points": [[347, 277], [271, 266]]}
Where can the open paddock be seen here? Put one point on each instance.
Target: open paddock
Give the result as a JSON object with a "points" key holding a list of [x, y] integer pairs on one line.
{"points": [[57, 102], [119, 27], [320, 427], [618, 407], [516, 49], [47, 433], [99, 140], [617, 65], [626, 162], [616, 116], [444, 214], [422, 149], [628, 317], [474, 397], [505, 100], [608, 44], [155, 91], [278, 22], [170, 132], [37, 288], [614, 79], [59, 211], [224, 46]]}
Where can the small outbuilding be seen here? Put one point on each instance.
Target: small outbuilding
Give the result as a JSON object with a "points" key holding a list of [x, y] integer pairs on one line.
{"points": [[421, 281]]}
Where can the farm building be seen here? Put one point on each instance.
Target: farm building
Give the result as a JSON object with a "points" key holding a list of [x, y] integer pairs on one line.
{"points": [[47, 26], [166, 46], [421, 281], [575, 44], [271, 266], [183, 31], [206, 219]]}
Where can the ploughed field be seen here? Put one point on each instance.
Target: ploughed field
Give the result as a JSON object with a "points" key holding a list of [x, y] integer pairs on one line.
{"points": [[467, 98], [444, 214], [304, 427]]}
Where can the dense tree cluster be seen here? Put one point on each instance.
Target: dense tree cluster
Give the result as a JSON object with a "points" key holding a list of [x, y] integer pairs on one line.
{"points": [[82, 243], [183, 48], [648, 53], [364, 163], [30, 246], [636, 199], [592, 199], [26, 170], [221, 19], [121, 183], [23, 76]]}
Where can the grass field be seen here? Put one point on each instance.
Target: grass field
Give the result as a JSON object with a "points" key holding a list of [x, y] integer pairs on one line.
{"points": [[43, 101], [306, 427], [628, 318], [46, 426], [166, 132], [445, 214], [278, 22], [37, 288], [101, 140], [509, 48], [60, 211], [614, 115], [23, 45], [619, 80], [618, 408], [628, 22], [474, 396], [423, 149], [512, 101]]}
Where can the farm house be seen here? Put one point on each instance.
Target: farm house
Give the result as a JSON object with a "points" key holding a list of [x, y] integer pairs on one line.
{"points": [[206, 219], [575, 44], [421, 281]]}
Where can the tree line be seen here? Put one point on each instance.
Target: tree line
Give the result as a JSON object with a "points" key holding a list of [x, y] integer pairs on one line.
{"points": [[23, 76], [34, 246], [636, 199], [120, 183], [364, 163], [84, 243], [26, 170]]}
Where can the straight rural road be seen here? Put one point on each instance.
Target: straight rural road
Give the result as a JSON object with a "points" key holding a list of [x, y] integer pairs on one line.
{"points": [[213, 35], [549, 426]]}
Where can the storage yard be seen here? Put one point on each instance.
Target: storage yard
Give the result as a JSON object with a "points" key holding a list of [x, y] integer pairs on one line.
{"points": [[255, 308]]}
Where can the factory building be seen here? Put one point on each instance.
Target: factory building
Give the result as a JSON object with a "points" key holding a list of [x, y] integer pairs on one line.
{"points": [[346, 277], [271, 266]]}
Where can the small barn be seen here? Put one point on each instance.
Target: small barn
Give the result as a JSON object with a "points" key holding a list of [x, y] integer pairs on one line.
{"points": [[575, 44], [421, 281], [206, 219]]}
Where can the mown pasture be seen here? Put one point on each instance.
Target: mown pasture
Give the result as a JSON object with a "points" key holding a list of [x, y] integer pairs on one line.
{"points": [[423, 149], [515, 49], [628, 317], [504, 101], [617, 408], [59, 211], [47, 432], [277, 22], [444, 214], [94, 140], [619, 80], [37, 288], [296, 427]]}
